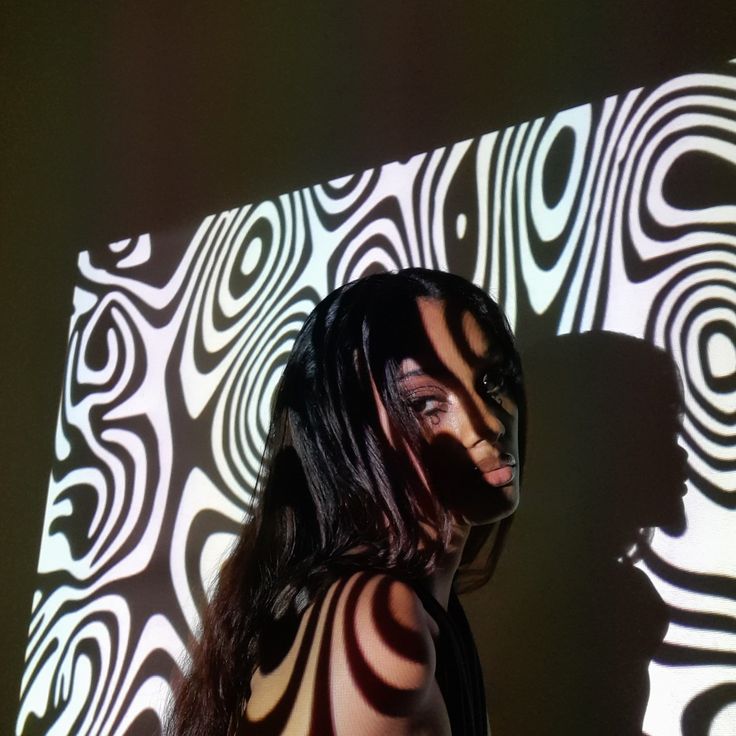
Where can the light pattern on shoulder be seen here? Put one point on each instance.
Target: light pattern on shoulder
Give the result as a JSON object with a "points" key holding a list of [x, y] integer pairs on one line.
{"points": [[362, 663]]}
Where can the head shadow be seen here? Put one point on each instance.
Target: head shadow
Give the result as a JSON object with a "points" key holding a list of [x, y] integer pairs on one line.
{"points": [[575, 624]]}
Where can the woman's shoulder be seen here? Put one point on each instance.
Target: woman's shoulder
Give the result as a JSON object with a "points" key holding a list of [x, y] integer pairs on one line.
{"points": [[364, 649], [382, 619], [382, 600]]}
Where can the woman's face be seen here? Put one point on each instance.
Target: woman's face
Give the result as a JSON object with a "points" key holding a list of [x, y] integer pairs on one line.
{"points": [[468, 420]]}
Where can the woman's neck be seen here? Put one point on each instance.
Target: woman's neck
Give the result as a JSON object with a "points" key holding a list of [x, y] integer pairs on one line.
{"points": [[440, 582]]}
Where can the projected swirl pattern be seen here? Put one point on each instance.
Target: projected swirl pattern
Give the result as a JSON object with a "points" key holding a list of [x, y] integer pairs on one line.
{"points": [[606, 216]]}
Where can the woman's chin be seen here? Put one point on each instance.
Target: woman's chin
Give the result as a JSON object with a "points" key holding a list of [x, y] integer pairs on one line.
{"points": [[493, 504]]}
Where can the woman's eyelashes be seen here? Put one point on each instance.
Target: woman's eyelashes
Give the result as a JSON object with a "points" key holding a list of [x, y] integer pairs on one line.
{"points": [[428, 404], [492, 385]]}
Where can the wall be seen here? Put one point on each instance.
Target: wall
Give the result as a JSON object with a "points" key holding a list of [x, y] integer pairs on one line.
{"points": [[120, 123]]}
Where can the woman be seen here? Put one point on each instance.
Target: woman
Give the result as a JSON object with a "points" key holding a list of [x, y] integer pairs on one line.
{"points": [[394, 455]]}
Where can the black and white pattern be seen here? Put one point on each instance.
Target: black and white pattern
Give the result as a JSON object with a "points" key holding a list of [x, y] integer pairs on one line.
{"points": [[619, 215]]}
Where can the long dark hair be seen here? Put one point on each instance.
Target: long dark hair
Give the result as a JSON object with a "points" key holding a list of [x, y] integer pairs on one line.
{"points": [[333, 494]]}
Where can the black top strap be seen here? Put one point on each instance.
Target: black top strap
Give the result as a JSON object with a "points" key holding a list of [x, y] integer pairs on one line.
{"points": [[458, 672]]}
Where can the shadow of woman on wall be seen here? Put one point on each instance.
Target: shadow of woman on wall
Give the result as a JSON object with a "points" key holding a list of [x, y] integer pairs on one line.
{"points": [[568, 626]]}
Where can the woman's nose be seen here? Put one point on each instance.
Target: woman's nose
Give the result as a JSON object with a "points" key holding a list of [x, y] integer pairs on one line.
{"points": [[481, 423]]}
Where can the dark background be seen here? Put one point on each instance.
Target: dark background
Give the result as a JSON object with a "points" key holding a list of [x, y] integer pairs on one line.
{"points": [[121, 118]]}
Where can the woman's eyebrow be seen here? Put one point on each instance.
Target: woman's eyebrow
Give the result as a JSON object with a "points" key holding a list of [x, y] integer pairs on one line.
{"points": [[492, 358], [440, 374], [412, 373]]}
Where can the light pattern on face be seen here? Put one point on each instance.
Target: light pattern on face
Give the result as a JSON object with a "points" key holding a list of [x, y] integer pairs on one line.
{"points": [[467, 416]]}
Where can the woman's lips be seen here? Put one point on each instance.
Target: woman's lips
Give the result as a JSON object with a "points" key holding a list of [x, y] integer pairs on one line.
{"points": [[498, 470], [500, 476]]}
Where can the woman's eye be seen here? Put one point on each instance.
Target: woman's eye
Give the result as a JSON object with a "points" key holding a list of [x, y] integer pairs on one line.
{"points": [[493, 387], [428, 407]]}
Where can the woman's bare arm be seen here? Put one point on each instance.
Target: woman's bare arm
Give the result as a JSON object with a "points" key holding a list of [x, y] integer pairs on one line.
{"points": [[362, 664]]}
